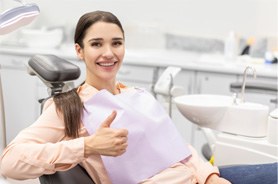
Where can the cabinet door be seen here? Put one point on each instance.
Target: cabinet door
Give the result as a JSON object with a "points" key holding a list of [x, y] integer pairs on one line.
{"points": [[214, 83], [20, 100]]}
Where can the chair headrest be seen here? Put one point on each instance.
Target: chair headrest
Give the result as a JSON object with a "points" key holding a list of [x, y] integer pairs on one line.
{"points": [[53, 69]]}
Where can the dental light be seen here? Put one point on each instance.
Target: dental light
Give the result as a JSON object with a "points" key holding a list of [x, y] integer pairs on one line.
{"points": [[17, 17]]}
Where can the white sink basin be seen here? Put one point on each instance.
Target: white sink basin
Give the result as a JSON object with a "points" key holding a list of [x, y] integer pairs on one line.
{"points": [[221, 113]]}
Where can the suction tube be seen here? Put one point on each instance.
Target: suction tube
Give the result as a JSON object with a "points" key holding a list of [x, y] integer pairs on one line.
{"points": [[17, 17]]}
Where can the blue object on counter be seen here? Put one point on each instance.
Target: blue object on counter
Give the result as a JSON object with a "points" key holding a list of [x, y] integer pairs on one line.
{"points": [[273, 61]]}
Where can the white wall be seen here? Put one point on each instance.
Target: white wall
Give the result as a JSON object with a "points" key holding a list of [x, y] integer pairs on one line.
{"points": [[152, 18]]}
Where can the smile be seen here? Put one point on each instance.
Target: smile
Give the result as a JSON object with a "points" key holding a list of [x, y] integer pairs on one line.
{"points": [[106, 64]]}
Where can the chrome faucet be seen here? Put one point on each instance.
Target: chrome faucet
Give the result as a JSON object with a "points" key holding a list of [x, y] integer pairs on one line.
{"points": [[244, 80]]}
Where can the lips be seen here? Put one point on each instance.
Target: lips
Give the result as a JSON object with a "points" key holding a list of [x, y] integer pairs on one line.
{"points": [[106, 64]]}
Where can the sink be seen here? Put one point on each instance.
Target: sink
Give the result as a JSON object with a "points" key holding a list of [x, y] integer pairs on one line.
{"points": [[220, 112], [203, 109]]}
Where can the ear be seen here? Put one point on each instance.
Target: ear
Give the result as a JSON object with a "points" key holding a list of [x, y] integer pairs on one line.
{"points": [[79, 51]]}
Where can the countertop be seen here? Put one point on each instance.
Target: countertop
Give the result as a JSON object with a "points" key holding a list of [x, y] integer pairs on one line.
{"points": [[163, 58]]}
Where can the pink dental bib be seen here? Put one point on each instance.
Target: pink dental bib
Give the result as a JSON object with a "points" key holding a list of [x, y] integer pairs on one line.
{"points": [[154, 143]]}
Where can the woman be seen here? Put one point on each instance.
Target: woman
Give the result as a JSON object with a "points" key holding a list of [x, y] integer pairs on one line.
{"points": [[58, 140]]}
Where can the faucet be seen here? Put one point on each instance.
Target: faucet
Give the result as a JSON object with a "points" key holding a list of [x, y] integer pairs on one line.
{"points": [[244, 80]]}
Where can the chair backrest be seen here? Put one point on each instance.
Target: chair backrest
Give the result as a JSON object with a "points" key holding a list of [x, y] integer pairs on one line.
{"points": [[54, 71]]}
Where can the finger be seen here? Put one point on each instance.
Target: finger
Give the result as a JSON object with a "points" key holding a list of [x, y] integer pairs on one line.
{"points": [[124, 145], [121, 141], [109, 120], [124, 140], [122, 132], [121, 150]]}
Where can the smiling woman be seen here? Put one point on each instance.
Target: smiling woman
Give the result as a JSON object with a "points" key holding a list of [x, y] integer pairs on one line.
{"points": [[103, 125]]}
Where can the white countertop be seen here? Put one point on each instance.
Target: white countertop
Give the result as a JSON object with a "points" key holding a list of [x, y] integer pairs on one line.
{"points": [[164, 58]]}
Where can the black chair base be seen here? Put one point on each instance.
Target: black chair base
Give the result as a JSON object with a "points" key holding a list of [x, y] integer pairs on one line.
{"points": [[73, 176]]}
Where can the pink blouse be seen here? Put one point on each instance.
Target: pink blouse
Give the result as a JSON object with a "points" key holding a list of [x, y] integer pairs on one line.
{"points": [[43, 148]]}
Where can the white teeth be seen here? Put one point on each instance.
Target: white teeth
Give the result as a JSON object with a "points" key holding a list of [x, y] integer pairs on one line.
{"points": [[106, 64]]}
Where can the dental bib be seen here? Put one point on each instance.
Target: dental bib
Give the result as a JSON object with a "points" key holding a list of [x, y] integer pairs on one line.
{"points": [[154, 143]]}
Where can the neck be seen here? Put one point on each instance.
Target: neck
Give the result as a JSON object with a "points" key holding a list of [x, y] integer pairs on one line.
{"points": [[112, 86]]}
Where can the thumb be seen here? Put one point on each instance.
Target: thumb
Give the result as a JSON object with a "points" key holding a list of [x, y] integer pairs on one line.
{"points": [[107, 122]]}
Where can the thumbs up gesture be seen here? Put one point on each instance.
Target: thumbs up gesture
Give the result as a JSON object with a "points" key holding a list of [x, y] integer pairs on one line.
{"points": [[107, 141]]}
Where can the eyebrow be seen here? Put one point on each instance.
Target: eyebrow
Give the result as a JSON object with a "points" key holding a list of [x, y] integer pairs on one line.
{"points": [[100, 39]]}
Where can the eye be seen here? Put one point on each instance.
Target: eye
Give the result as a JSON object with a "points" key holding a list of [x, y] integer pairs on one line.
{"points": [[117, 43], [96, 44]]}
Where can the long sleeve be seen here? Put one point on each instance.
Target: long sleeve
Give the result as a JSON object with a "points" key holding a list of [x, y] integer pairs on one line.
{"points": [[202, 169], [41, 149]]}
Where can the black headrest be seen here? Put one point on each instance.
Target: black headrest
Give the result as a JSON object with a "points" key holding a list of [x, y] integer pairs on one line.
{"points": [[53, 69]]}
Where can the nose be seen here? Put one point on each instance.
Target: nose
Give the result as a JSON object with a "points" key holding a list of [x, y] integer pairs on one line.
{"points": [[108, 52]]}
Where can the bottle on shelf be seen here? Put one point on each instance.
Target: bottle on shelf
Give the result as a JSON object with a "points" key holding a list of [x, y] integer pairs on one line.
{"points": [[231, 46]]}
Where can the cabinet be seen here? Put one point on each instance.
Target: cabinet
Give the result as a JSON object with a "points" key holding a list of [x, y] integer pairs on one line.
{"points": [[263, 97], [214, 83], [19, 95]]}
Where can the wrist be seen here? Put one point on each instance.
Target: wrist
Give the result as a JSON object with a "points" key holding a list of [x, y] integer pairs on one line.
{"points": [[88, 150], [215, 178], [212, 178]]}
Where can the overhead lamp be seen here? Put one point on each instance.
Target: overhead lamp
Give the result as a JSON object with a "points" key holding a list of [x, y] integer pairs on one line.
{"points": [[14, 18]]}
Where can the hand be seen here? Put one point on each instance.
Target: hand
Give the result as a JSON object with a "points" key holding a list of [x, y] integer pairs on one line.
{"points": [[107, 141], [215, 179]]}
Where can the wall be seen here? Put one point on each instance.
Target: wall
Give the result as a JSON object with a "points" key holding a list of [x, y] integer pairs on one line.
{"points": [[146, 21]]}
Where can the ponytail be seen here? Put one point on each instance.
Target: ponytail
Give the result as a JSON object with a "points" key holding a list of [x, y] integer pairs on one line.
{"points": [[70, 106]]}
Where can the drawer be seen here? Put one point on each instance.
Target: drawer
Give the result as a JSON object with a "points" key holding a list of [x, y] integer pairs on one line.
{"points": [[136, 74]]}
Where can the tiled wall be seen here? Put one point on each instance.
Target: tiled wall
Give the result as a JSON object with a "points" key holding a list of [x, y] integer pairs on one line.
{"points": [[193, 43]]}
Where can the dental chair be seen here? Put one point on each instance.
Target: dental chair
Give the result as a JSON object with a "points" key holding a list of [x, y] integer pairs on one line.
{"points": [[55, 72]]}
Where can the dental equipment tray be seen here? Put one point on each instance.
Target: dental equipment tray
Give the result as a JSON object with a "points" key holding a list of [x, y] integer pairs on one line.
{"points": [[53, 69]]}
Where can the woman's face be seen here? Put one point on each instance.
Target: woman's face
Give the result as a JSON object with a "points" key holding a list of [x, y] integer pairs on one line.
{"points": [[103, 52]]}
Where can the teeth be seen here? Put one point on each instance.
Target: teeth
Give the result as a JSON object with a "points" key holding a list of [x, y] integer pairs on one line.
{"points": [[106, 64]]}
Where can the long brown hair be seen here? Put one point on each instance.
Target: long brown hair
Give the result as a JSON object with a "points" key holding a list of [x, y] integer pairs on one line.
{"points": [[69, 104]]}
